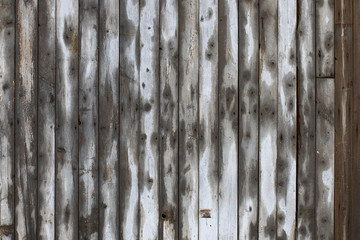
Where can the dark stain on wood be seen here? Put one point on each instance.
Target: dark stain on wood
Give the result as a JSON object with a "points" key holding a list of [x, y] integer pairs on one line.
{"points": [[205, 213]]}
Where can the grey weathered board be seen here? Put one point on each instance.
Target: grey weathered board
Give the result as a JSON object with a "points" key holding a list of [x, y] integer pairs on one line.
{"points": [[166, 119]]}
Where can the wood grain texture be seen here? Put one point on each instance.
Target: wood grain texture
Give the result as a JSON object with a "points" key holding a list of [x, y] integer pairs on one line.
{"points": [[286, 120], [165, 119], [325, 132], [88, 120], [149, 120], [129, 119], [228, 118], [325, 38], [67, 83], [7, 93], [343, 96], [169, 119], [355, 124], [306, 120], [248, 119], [188, 119], [268, 119], [26, 120], [343, 11], [46, 119], [208, 120], [109, 120]]}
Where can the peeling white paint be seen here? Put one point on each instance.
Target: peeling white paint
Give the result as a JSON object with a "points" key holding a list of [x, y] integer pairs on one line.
{"points": [[268, 155], [249, 32]]}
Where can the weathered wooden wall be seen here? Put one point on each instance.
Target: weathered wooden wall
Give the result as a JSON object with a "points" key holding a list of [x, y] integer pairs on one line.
{"points": [[347, 119], [167, 119]]}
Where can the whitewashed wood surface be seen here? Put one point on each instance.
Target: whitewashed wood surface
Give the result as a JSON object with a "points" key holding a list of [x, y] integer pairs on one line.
{"points": [[165, 119]]}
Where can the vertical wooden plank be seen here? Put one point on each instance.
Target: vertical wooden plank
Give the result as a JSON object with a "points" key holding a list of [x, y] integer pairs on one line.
{"points": [[268, 119], [325, 158], [169, 119], [286, 120], [344, 12], [67, 13], [306, 120], [26, 120], [346, 120], [325, 38], [355, 182], [208, 120], [343, 110], [7, 146], [149, 119], [188, 119], [248, 119], [46, 119], [228, 119], [88, 120], [129, 119], [109, 120]]}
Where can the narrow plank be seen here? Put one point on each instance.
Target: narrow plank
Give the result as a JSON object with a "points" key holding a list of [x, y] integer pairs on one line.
{"points": [[325, 132], [46, 119], [248, 119], [286, 120], [149, 120], [88, 120], [355, 182], [169, 119], [109, 120], [343, 96], [228, 119], [306, 120], [7, 146], [67, 13], [208, 120], [188, 119], [325, 38], [268, 119], [129, 119], [26, 120]]}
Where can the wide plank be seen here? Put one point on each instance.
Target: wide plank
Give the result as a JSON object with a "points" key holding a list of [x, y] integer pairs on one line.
{"points": [[109, 51], [355, 162], [286, 120], [306, 120], [88, 120], [149, 159], [129, 119], [7, 93], [67, 83], [325, 131], [248, 119], [228, 118], [188, 119], [169, 119], [208, 120], [268, 82], [26, 120], [343, 96], [46, 119]]}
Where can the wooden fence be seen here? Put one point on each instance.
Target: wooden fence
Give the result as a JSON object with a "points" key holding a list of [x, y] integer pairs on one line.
{"points": [[179, 119]]}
